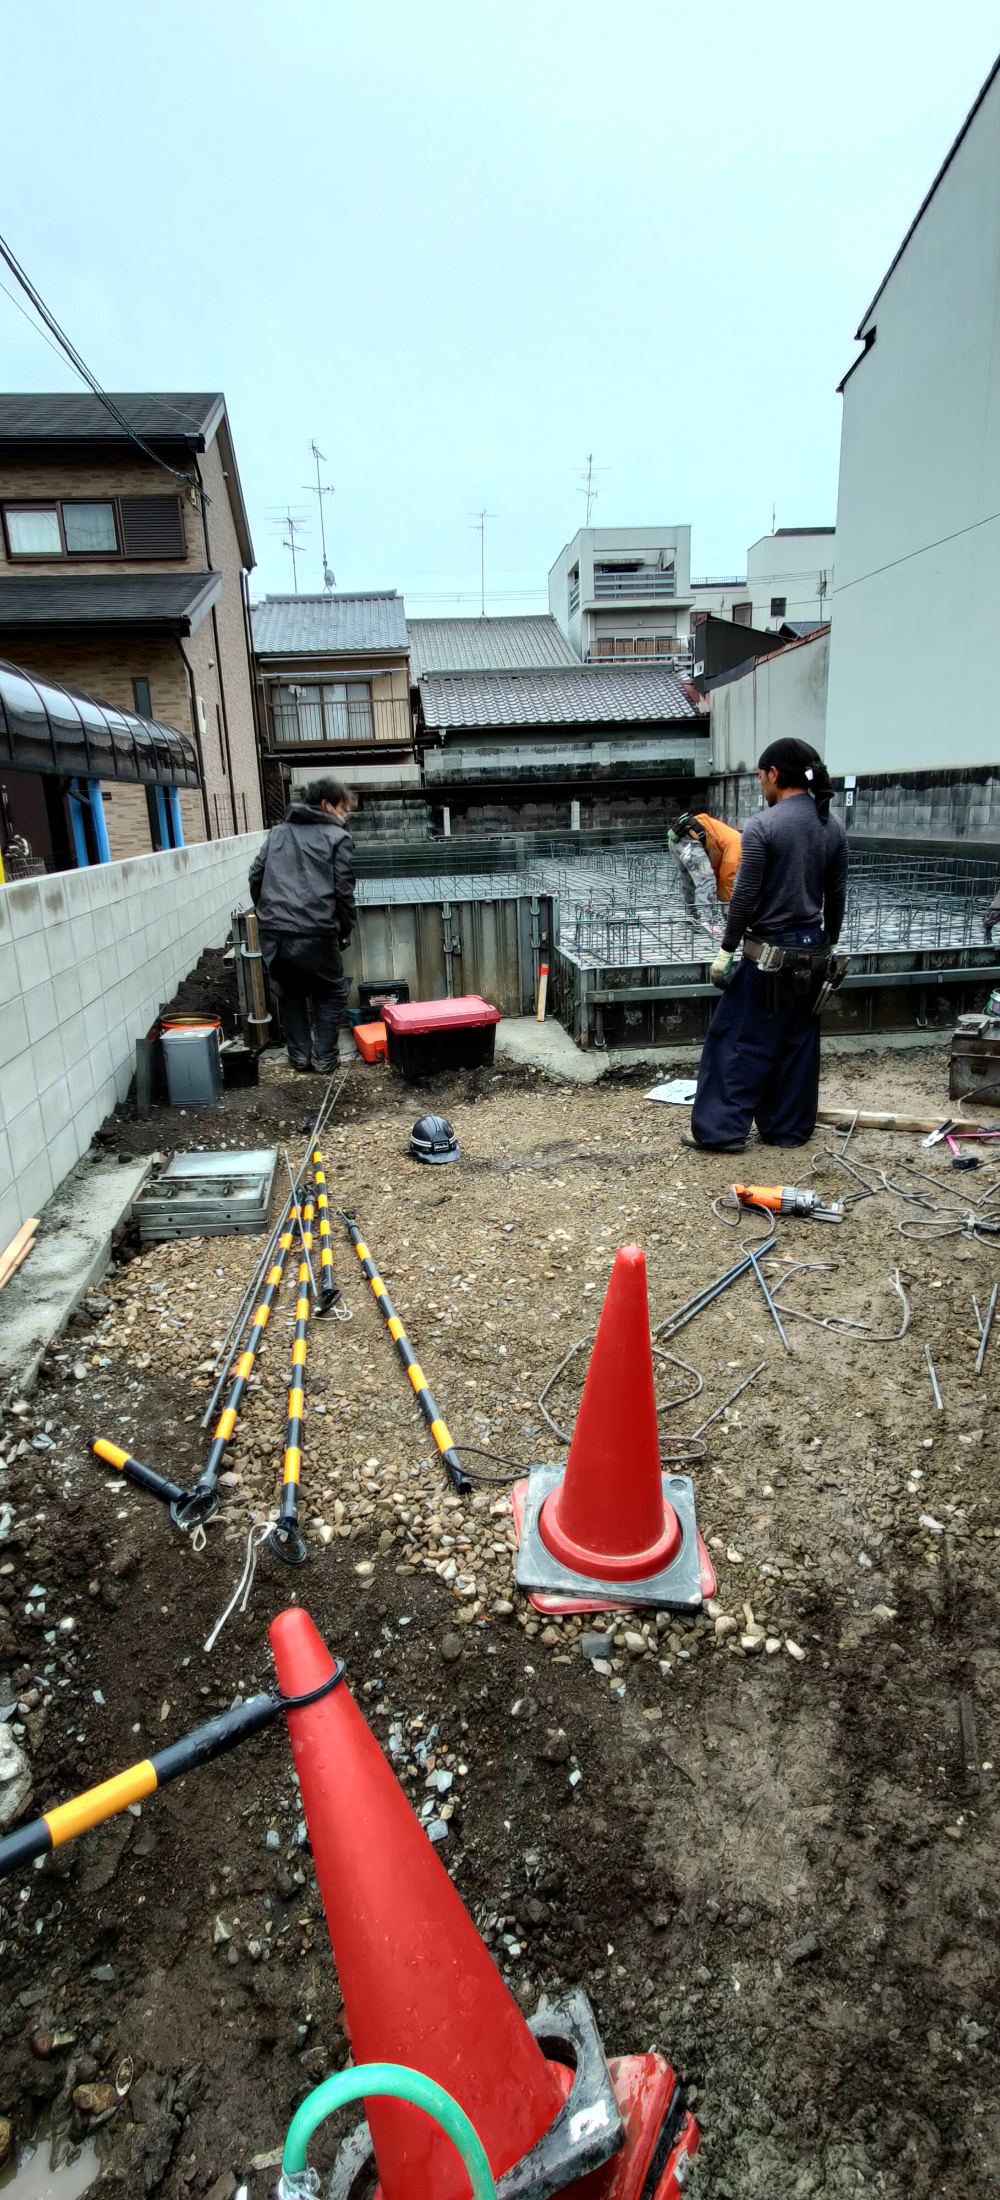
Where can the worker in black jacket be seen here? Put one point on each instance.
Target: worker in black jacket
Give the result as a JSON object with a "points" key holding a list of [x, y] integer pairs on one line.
{"points": [[760, 1060], [302, 886]]}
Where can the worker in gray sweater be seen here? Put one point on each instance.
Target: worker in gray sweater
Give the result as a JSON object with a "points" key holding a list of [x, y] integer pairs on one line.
{"points": [[302, 885], [760, 1060]]}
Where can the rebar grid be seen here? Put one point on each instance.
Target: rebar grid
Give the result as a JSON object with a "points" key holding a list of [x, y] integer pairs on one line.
{"points": [[622, 907]]}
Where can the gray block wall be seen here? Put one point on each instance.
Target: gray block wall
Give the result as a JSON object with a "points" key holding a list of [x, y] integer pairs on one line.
{"points": [[87, 960]]}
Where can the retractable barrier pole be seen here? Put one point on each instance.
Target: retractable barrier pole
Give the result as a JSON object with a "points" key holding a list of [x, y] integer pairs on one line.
{"points": [[330, 1292], [96, 1804], [285, 1540], [438, 1428], [188, 1508]]}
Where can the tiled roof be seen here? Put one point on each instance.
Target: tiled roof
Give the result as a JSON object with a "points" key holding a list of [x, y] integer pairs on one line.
{"points": [[68, 417], [486, 645], [584, 696], [295, 626], [167, 603]]}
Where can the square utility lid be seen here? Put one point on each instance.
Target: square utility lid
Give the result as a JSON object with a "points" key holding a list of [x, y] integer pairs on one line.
{"points": [[258, 1161]]}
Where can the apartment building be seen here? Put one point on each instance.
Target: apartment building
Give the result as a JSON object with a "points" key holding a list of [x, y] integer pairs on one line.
{"points": [[124, 555], [621, 593], [787, 584]]}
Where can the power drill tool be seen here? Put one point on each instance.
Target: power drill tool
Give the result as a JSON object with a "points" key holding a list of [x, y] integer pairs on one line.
{"points": [[788, 1199]]}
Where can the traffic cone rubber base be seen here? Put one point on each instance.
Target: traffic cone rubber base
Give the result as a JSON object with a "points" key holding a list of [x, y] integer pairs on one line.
{"points": [[634, 2138], [557, 1607], [677, 1587]]}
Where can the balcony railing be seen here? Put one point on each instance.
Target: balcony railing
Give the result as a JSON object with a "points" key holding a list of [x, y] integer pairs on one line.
{"points": [[631, 587], [676, 656], [348, 724]]}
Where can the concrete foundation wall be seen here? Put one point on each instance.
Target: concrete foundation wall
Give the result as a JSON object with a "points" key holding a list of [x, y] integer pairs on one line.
{"points": [[87, 959]]}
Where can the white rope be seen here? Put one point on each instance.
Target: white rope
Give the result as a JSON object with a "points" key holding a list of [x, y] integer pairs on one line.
{"points": [[259, 1532]]}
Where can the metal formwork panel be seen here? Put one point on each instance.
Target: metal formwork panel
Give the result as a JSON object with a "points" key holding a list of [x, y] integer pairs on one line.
{"points": [[482, 946]]}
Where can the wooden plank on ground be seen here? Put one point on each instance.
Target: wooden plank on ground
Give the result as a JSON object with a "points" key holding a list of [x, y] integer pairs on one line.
{"points": [[18, 1249]]}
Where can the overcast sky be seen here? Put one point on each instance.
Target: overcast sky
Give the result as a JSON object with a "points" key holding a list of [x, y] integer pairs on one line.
{"points": [[462, 245]]}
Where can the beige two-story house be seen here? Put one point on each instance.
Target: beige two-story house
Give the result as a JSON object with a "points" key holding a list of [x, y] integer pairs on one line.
{"points": [[124, 556]]}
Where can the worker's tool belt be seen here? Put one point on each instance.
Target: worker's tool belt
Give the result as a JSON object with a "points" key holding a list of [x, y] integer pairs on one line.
{"points": [[804, 961]]}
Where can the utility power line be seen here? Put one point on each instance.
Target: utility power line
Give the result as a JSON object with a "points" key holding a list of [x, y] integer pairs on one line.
{"points": [[70, 352]]}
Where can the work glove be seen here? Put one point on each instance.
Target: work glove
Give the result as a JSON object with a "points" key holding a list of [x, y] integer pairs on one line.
{"points": [[722, 968]]}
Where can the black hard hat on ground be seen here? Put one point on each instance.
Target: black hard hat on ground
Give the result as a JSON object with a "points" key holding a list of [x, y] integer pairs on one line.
{"points": [[432, 1139]]}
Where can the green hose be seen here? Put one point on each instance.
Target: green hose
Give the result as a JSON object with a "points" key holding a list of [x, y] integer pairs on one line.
{"points": [[396, 2082]]}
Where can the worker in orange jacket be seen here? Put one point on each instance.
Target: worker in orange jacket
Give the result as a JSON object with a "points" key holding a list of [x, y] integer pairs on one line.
{"points": [[720, 843]]}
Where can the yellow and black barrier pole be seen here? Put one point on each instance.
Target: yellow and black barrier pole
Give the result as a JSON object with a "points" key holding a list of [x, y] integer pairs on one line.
{"points": [[437, 1426], [68, 1820], [188, 1507], [145, 1478], [286, 1540], [328, 1289], [96, 1804]]}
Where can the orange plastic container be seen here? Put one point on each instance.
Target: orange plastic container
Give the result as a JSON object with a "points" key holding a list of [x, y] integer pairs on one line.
{"points": [[371, 1042]]}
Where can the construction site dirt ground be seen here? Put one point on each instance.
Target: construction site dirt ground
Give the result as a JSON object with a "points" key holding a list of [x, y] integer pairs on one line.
{"points": [[769, 1848]]}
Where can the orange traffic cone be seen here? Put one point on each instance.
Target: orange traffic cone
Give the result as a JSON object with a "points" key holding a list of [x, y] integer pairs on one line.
{"points": [[419, 1985], [420, 1988], [612, 1522]]}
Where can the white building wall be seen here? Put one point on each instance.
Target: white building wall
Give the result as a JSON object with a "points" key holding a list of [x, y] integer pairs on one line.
{"points": [[798, 566], [87, 960], [916, 608], [782, 695]]}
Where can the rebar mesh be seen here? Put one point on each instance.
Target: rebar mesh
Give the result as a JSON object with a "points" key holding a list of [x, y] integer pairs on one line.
{"points": [[622, 907]]}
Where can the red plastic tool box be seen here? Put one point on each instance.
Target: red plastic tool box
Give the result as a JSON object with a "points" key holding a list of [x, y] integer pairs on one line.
{"points": [[429, 1036]]}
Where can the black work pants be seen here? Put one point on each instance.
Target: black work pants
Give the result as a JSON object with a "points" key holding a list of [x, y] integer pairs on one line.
{"points": [[760, 1060], [307, 979]]}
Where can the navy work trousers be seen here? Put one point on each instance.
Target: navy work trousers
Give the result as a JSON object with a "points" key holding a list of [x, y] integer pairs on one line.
{"points": [[306, 975], [759, 1063]]}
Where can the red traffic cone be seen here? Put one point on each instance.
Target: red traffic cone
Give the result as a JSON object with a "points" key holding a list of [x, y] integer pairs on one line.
{"points": [[612, 1516], [419, 1985], [608, 1516]]}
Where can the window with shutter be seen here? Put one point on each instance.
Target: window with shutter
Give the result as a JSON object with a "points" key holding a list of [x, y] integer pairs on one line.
{"points": [[152, 527]]}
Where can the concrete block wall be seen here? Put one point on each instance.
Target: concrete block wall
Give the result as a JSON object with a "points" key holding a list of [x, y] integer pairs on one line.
{"points": [[87, 959]]}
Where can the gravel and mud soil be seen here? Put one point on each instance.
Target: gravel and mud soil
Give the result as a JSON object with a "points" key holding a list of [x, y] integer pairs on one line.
{"points": [[765, 1841]]}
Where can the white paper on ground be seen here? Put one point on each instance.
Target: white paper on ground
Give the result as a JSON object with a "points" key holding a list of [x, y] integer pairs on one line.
{"points": [[678, 1092]]}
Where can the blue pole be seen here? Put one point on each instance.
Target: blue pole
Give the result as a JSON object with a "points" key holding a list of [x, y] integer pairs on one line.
{"points": [[176, 820], [162, 829], [76, 822], [100, 821]]}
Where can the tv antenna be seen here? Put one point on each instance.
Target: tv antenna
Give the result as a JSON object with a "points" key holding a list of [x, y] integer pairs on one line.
{"points": [[480, 519], [293, 528], [322, 489]]}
